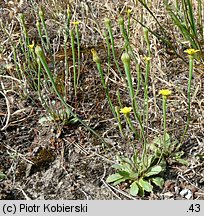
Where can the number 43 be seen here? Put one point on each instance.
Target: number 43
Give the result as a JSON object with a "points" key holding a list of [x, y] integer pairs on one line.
{"points": [[194, 208]]}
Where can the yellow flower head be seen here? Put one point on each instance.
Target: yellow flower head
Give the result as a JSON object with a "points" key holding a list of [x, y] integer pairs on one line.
{"points": [[126, 110], [165, 92], [31, 46], [147, 59], [191, 51], [76, 22]]}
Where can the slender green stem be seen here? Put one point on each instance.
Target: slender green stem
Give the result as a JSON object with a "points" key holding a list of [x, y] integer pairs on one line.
{"points": [[131, 126], [108, 26], [146, 37], [16, 62], [39, 74], [164, 122], [119, 98], [128, 25], [42, 18], [147, 60], [96, 59], [200, 18], [40, 34], [66, 36], [108, 51], [24, 30], [126, 61], [66, 66], [117, 110], [79, 53], [74, 61], [125, 36], [146, 90], [105, 88], [191, 58], [138, 69]]}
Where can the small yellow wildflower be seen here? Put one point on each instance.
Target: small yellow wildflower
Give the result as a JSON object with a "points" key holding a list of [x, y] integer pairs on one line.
{"points": [[31, 46], [76, 22], [147, 59], [126, 110], [191, 51], [165, 92]]}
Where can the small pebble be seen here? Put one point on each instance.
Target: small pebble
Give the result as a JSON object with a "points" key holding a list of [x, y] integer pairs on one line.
{"points": [[186, 193]]}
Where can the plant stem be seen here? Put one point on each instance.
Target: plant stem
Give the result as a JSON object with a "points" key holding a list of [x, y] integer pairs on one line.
{"points": [[119, 121], [191, 58], [164, 122], [108, 26], [74, 62]]}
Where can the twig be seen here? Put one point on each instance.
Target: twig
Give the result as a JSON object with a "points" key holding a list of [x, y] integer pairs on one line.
{"points": [[8, 112]]}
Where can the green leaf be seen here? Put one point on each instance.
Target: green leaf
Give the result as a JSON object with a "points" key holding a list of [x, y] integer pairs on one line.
{"points": [[127, 161], [72, 121], [120, 180], [135, 158], [158, 181], [182, 161], [124, 174], [150, 160], [134, 189], [118, 166], [127, 167], [45, 120], [157, 141], [141, 191], [113, 177], [153, 170], [145, 185], [2, 176], [167, 140], [133, 175]]}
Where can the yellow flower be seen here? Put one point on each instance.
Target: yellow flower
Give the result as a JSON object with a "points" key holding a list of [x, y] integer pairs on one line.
{"points": [[31, 46], [191, 51], [147, 59], [165, 92], [126, 110], [75, 23]]}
